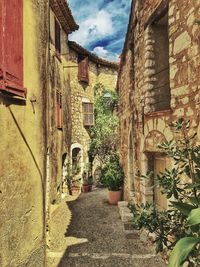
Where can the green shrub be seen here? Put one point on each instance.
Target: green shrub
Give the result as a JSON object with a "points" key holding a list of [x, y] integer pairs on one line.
{"points": [[112, 174]]}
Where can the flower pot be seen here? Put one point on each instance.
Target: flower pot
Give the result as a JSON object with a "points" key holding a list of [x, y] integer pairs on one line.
{"points": [[74, 191], [90, 187], [85, 188], [114, 197]]}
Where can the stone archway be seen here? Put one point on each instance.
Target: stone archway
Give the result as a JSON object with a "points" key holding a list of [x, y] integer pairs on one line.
{"points": [[77, 158]]}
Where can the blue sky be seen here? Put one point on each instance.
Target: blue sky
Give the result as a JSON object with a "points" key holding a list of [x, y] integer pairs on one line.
{"points": [[102, 25]]}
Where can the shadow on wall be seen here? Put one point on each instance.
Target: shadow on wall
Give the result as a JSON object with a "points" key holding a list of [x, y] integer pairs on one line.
{"points": [[61, 235]]}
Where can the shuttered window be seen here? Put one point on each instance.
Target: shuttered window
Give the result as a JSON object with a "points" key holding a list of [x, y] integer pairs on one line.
{"points": [[83, 75], [58, 110], [88, 114], [11, 47], [57, 37]]}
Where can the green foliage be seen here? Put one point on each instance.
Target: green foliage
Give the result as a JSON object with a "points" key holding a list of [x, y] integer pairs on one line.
{"points": [[112, 174], [182, 183], [104, 134], [181, 251]]}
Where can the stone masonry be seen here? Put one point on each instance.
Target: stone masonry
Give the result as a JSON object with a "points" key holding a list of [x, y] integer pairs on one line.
{"points": [[158, 83]]}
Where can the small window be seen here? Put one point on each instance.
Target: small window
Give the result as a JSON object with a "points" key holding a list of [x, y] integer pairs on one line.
{"points": [[83, 75], [57, 37], [88, 114], [59, 110]]}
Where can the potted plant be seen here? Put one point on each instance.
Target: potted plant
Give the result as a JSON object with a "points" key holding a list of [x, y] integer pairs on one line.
{"points": [[73, 180], [112, 178], [87, 180], [85, 186]]}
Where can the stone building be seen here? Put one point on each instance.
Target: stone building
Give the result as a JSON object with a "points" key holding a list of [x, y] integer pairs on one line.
{"points": [[59, 107], [158, 83], [34, 136], [85, 71]]}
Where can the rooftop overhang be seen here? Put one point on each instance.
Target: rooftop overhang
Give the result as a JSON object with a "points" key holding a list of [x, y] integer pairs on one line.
{"points": [[64, 15], [94, 58]]}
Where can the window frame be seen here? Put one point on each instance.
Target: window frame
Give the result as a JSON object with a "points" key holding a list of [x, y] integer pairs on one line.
{"points": [[87, 113]]}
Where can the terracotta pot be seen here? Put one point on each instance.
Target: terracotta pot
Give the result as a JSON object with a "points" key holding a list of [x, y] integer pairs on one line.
{"points": [[74, 191], [114, 197], [90, 187], [85, 188]]}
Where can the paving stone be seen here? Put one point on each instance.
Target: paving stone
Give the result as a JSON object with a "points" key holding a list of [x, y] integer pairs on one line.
{"points": [[94, 236], [123, 210], [127, 217], [122, 204]]}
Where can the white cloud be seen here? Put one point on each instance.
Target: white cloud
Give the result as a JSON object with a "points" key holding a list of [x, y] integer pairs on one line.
{"points": [[103, 53], [93, 28]]}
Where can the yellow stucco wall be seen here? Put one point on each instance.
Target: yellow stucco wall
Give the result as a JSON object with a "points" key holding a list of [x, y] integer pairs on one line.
{"points": [[22, 153]]}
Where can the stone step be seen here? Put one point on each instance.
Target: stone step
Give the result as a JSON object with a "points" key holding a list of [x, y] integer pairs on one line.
{"points": [[110, 260]]}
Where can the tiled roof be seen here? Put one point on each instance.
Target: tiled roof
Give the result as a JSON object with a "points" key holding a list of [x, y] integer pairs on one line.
{"points": [[64, 15], [81, 50]]}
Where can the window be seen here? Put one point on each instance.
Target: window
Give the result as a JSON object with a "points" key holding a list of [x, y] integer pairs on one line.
{"points": [[57, 37], [83, 75], [11, 47], [88, 114], [161, 48], [59, 110]]}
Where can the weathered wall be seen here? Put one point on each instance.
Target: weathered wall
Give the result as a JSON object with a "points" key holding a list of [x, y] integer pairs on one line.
{"points": [[80, 91], [59, 139], [23, 150], [149, 127]]}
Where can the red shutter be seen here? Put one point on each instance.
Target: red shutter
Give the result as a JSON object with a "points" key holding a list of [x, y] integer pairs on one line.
{"points": [[59, 110], [11, 47], [83, 75]]}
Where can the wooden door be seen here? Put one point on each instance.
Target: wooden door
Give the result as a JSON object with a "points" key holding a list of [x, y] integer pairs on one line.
{"points": [[160, 164]]}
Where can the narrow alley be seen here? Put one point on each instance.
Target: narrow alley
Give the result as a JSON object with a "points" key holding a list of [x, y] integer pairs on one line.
{"points": [[97, 235]]}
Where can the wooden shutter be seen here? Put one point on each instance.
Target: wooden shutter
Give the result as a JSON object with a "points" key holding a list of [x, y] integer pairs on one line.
{"points": [[88, 114], [83, 75], [11, 47], [58, 109], [57, 37]]}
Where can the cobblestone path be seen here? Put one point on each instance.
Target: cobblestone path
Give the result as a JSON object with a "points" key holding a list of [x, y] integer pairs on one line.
{"points": [[97, 235]]}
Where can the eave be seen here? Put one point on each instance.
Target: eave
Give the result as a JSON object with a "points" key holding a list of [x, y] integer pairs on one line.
{"points": [[64, 15]]}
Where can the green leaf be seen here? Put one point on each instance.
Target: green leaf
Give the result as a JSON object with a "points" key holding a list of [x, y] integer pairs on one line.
{"points": [[184, 208], [181, 251], [194, 217]]}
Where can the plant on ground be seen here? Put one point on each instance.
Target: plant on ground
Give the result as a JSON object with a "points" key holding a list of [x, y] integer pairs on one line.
{"points": [[112, 174], [178, 228]]}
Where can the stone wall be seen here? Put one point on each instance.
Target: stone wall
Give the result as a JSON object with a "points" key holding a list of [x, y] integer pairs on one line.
{"points": [[81, 92], [22, 183], [142, 127]]}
